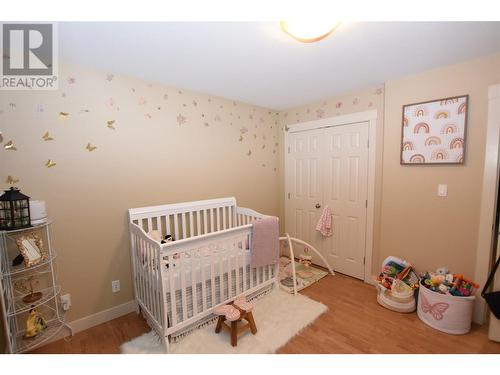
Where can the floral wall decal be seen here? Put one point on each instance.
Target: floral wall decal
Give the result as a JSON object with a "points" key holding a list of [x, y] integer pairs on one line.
{"points": [[182, 105], [320, 113], [111, 104], [355, 102], [181, 119]]}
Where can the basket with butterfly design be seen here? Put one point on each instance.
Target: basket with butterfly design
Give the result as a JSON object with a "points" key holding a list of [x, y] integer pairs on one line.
{"points": [[444, 312]]}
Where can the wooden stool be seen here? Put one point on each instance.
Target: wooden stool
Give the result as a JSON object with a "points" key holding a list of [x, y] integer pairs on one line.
{"points": [[235, 327]]}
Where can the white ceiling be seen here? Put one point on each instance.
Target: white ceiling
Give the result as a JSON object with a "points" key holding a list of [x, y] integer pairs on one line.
{"points": [[257, 63]]}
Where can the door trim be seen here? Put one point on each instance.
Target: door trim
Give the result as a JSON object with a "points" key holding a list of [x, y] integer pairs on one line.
{"points": [[366, 116], [485, 249]]}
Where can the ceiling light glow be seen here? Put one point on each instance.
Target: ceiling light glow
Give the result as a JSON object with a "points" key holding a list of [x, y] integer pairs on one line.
{"points": [[309, 31]]}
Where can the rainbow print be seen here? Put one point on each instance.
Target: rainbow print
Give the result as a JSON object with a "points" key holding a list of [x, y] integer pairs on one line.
{"points": [[448, 101], [417, 158], [432, 141], [442, 114], [408, 146], [449, 129], [462, 108], [421, 126], [420, 112], [457, 143], [440, 154], [433, 132]]}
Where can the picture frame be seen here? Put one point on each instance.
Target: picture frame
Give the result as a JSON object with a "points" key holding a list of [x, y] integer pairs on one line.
{"points": [[31, 248], [434, 132]]}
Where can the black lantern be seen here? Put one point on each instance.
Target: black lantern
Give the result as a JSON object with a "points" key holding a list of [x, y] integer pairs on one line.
{"points": [[14, 210]]}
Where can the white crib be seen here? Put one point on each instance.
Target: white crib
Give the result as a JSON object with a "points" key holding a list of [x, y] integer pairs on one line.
{"points": [[178, 284]]}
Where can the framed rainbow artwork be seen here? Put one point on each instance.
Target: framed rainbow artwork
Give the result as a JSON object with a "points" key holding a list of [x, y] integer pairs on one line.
{"points": [[433, 132]]}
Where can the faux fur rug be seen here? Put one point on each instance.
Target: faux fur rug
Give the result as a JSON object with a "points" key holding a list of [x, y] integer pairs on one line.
{"points": [[279, 316]]}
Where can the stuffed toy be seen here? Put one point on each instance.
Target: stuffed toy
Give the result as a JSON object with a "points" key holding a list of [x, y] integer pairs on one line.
{"points": [[35, 324]]}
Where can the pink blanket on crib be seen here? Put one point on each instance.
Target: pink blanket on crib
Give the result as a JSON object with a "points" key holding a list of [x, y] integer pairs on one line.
{"points": [[265, 242]]}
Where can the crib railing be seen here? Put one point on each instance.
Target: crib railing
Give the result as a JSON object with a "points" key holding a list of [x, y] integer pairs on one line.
{"points": [[185, 220], [148, 286], [177, 284], [246, 216], [218, 268]]}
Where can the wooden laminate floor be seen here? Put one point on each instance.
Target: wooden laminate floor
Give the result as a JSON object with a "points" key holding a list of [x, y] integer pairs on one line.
{"points": [[354, 323]]}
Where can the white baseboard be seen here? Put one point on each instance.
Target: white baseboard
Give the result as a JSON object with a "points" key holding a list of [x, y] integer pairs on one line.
{"points": [[371, 280], [96, 319]]}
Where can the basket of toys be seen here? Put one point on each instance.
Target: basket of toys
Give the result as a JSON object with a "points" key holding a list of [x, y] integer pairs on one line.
{"points": [[446, 301], [396, 285]]}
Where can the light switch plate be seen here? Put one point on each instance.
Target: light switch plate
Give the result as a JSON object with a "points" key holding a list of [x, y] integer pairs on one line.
{"points": [[442, 190]]}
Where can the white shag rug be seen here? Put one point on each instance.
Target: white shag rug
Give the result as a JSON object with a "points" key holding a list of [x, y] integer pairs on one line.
{"points": [[278, 315]]}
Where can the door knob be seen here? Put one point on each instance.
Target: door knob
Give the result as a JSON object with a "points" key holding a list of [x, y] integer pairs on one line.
{"points": [[318, 205]]}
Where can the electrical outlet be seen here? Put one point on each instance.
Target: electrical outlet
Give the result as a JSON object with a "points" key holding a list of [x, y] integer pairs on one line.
{"points": [[66, 301], [115, 286]]}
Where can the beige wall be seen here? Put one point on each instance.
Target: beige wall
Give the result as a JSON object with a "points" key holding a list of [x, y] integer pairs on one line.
{"points": [[410, 220], [417, 224], [149, 159]]}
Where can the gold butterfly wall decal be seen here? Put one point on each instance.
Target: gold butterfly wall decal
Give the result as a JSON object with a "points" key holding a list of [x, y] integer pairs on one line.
{"points": [[63, 115], [111, 124], [50, 163], [47, 137], [11, 180], [1, 137], [249, 152], [90, 148], [10, 146], [241, 138]]}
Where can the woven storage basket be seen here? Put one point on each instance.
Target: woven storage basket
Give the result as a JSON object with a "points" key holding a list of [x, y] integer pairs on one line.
{"points": [[443, 312]]}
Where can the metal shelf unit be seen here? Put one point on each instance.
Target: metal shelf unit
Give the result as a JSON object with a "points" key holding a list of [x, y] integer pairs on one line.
{"points": [[14, 311]]}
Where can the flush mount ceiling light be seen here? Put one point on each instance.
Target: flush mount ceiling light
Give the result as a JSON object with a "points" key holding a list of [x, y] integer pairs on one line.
{"points": [[308, 31]]}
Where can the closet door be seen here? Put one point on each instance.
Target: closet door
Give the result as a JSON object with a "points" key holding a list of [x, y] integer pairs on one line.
{"points": [[304, 186], [345, 192]]}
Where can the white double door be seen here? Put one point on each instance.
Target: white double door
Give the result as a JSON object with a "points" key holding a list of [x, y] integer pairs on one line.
{"points": [[329, 167]]}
